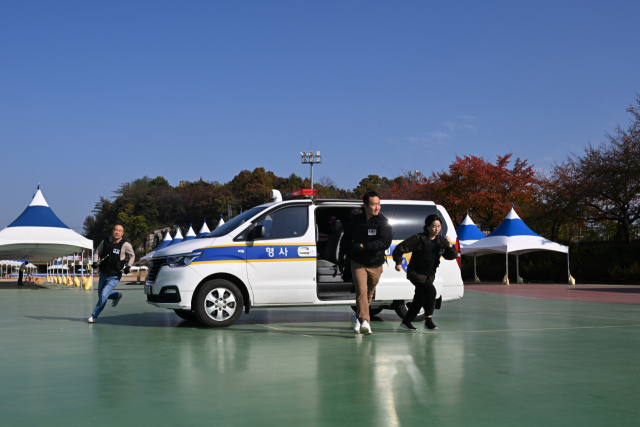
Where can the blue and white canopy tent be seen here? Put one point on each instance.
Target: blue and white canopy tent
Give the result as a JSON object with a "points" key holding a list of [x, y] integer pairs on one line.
{"points": [[220, 222], [204, 230], [190, 234], [468, 233], [177, 238], [39, 235], [165, 242], [514, 237]]}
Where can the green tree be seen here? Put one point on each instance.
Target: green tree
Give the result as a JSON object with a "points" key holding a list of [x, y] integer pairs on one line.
{"points": [[135, 227], [371, 183]]}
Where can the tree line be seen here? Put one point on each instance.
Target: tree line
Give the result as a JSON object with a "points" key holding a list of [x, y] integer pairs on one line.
{"points": [[593, 195]]}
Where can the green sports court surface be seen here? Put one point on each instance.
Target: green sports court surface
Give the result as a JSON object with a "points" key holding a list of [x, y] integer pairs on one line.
{"points": [[496, 360]]}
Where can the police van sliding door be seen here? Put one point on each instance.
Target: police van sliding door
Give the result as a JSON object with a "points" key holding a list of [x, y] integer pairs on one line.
{"points": [[282, 265]]}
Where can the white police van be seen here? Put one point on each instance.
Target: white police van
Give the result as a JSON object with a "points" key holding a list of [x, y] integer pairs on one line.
{"points": [[284, 253]]}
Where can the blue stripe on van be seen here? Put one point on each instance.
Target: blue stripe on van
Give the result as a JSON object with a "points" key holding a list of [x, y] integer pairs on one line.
{"points": [[252, 253]]}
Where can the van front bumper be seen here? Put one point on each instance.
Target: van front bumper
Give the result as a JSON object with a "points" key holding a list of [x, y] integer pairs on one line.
{"points": [[173, 288]]}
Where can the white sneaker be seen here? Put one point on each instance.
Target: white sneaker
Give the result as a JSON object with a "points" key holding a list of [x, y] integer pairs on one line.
{"points": [[117, 300], [356, 324], [365, 328], [92, 320]]}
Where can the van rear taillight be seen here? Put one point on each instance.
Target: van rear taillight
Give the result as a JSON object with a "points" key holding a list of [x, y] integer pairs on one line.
{"points": [[458, 259]]}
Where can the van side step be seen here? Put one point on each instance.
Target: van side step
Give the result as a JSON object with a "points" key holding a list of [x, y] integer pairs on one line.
{"points": [[336, 296]]}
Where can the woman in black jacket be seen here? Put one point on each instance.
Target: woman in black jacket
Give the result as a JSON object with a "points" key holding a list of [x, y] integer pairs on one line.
{"points": [[426, 249]]}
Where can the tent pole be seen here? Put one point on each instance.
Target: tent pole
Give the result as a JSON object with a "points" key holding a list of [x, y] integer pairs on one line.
{"points": [[91, 270], [517, 268], [474, 268], [507, 260], [568, 268]]}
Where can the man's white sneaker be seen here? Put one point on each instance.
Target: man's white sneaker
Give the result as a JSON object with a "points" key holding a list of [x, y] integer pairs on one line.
{"points": [[356, 324], [365, 328], [117, 300], [92, 320]]}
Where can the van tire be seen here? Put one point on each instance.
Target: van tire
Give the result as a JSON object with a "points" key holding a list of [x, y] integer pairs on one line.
{"points": [[373, 311], [218, 303], [187, 315], [401, 308]]}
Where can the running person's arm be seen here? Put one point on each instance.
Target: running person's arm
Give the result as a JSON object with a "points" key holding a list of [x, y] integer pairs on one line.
{"points": [[406, 246], [98, 252], [128, 251], [450, 252]]}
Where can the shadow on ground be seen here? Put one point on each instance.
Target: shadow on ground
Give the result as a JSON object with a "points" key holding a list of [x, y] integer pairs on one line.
{"points": [[14, 285], [292, 318]]}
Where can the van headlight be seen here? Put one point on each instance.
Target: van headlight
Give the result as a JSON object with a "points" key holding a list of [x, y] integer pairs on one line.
{"points": [[182, 260]]}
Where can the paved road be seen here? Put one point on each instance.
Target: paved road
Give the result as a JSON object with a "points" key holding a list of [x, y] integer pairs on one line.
{"points": [[591, 293], [496, 360]]}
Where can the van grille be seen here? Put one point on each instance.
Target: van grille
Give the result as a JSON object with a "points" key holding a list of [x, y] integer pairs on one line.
{"points": [[156, 265]]}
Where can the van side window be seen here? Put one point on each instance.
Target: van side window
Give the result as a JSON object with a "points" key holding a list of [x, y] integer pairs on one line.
{"points": [[285, 223], [407, 220]]}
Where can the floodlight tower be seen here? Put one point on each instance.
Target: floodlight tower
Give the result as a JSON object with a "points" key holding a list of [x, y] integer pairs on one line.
{"points": [[308, 157]]}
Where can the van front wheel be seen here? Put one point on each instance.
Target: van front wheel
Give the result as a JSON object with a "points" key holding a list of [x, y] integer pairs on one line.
{"points": [[219, 303], [401, 307]]}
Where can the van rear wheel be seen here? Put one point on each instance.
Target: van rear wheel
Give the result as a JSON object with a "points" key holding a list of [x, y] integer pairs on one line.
{"points": [[401, 307], [218, 303]]}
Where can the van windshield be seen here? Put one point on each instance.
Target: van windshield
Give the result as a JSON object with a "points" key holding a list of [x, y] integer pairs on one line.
{"points": [[234, 223]]}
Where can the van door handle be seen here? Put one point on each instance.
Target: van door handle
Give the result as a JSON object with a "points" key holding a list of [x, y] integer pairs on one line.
{"points": [[306, 251]]}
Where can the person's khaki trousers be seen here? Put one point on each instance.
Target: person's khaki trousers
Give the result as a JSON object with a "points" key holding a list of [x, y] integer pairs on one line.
{"points": [[365, 280]]}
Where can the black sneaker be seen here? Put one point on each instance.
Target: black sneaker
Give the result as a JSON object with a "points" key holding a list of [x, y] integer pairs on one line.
{"points": [[428, 324], [408, 326]]}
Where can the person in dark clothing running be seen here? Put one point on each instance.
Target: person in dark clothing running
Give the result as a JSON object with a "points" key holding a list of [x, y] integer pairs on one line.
{"points": [[366, 238], [426, 249], [111, 254]]}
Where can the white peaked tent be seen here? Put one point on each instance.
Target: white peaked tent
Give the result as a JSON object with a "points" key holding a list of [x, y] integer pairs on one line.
{"points": [[514, 237], [176, 239], [38, 234], [204, 230], [165, 242], [220, 222], [468, 233], [190, 234]]}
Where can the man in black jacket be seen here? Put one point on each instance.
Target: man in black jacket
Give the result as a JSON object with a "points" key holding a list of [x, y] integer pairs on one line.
{"points": [[366, 238]]}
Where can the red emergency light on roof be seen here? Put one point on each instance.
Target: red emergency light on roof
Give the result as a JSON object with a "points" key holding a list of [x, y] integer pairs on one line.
{"points": [[303, 192]]}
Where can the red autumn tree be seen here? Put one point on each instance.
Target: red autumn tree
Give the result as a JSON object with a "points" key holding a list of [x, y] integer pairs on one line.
{"points": [[485, 189]]}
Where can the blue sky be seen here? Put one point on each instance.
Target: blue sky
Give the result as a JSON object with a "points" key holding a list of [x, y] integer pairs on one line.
{"points": [[94, 94]]}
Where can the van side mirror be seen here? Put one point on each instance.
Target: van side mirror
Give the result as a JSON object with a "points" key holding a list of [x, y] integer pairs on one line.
{"points": [[256, 233]]}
